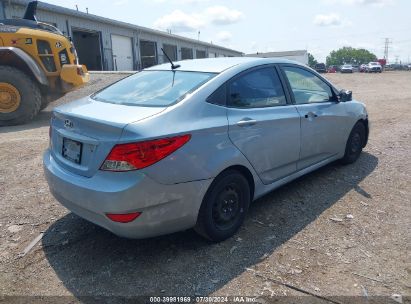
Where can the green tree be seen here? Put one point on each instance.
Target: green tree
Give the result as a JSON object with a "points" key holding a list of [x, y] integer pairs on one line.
{"points": [[311, 60], [350, 55]]}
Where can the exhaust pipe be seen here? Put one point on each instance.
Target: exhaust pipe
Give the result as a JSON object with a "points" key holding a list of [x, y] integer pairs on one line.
{"points": [[31, 9]]}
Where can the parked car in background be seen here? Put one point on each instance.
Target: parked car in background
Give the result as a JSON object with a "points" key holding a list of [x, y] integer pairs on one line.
{"points": [[389, 67], [363, 68], [347, 68], [355, 68], [409, 67], [374, 67], [320, 68], [192, 144], [332, 69]]}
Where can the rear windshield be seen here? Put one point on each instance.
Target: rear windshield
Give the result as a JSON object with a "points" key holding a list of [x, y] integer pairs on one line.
{"points": [[153, 88]]}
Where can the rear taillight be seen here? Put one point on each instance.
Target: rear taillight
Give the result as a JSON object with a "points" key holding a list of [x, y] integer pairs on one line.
{"points": [[123, 218], [133, 156]]}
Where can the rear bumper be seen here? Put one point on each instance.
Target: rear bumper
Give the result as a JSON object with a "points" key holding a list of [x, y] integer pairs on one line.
{"points": [[73, 76], [165, 208]]}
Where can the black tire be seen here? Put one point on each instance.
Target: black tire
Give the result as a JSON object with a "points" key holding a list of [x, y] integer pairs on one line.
{"points": [[224, 206], [30, 96], [44, 102], [355, 144]]}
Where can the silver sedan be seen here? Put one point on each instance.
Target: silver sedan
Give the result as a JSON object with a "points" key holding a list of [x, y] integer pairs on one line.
{"points": [[192, 145]]}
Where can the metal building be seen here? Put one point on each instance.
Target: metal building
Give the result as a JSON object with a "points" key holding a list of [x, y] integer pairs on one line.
{"points": [[106, 44], [299, 55]]}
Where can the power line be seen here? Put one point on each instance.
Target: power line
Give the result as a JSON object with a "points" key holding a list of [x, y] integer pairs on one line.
{"points": [[357, 35]]}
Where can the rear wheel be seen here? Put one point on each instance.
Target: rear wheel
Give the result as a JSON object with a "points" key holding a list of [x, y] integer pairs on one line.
{"points": [[354, 145], [20, 97], [224, 206]]}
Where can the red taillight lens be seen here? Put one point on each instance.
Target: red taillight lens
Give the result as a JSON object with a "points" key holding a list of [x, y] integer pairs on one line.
{"points": [[123, 218], [133, 156]]}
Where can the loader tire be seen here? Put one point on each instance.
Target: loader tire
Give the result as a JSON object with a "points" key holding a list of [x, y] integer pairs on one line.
{"points": [[44, 103], [20, 97]]}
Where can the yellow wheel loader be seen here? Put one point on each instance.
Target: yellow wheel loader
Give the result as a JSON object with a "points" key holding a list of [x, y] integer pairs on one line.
{"points": [[38, 64]]}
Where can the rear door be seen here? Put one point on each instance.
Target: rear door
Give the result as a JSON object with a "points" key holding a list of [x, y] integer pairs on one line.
{"points": [[323, 118], [263, 126]]}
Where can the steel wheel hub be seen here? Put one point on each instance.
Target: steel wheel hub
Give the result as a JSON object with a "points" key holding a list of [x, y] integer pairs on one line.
{"points": [[226, 208], [9, 98]]}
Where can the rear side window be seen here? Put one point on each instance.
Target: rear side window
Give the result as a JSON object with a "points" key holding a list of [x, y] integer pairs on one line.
{"points": [[219, 96], [256, 89], [153, 88]]}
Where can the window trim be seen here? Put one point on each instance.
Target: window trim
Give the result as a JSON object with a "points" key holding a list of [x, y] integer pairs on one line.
{"points": [[288, 85]]}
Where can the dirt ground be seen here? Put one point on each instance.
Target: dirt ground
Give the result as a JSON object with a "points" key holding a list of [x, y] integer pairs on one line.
{"points": [[340, 231]]}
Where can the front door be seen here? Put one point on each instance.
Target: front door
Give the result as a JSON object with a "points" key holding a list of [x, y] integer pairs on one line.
{"points": [[322, 116], [263, 126]]}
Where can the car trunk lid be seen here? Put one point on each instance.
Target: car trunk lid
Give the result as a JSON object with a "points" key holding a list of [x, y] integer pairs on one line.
{"points": [[83, 133]]}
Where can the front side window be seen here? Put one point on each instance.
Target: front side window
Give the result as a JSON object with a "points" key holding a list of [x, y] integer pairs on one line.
{"points": [[257, 89], [153, 88], [307, 87]]}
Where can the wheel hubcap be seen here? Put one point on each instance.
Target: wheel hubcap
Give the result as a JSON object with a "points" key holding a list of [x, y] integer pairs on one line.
{"points": [[9, 98], [226, 208]]}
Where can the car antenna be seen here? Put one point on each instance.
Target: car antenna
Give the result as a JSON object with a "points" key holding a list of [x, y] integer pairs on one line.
{"points": [[173, 66]]}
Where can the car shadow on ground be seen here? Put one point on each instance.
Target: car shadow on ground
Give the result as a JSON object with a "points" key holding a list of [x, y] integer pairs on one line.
{"points": [[91, 261]]}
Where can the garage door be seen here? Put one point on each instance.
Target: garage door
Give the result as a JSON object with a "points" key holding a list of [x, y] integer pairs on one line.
{"points": [[122, 53]]}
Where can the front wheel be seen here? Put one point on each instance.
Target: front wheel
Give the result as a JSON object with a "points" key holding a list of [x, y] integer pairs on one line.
{"points": [[224, 206], [354, 145], [20, 97]]}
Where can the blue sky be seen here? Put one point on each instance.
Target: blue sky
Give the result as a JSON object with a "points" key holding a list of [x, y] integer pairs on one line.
{"points": [[263, 25]]}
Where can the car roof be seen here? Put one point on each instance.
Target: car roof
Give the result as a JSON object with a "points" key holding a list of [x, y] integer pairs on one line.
{"points": [[218, 65]]}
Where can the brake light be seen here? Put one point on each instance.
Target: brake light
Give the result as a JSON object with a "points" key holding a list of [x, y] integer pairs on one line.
{"points": [[123, 218], [134, 156]]}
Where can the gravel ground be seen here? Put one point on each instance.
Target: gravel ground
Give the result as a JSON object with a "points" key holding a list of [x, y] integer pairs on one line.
{"points": [[340, 231]]}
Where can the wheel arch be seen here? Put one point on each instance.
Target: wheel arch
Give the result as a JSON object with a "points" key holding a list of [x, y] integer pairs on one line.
{"points": [[246, 173], [17, 58]]}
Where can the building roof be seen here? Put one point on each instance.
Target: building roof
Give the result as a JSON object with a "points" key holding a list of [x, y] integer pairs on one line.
{"points": [[71, 12], [218, 65], [279, 54]]}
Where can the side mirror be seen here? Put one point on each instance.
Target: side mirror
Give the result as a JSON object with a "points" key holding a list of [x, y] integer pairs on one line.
{"points": [[344, 96]]}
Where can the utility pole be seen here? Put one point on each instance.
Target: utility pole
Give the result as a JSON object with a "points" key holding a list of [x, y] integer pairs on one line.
{"points": [[387, 43]]}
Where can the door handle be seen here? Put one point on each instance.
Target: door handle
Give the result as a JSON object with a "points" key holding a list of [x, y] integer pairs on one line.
{"points": [[310, 115], [246, 122]]}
